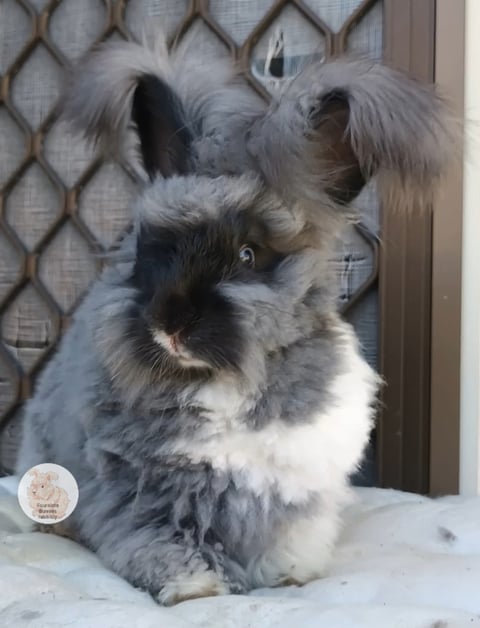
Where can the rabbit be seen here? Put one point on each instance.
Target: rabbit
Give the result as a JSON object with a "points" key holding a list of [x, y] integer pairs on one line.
{"points": [[208, 398]]}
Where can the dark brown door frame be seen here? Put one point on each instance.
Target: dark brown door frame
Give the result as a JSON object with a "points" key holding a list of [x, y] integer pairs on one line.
{"points": [[418, 432], [447, 265]]}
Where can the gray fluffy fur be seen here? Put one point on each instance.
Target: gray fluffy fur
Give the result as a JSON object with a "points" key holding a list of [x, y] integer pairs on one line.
{"points": [[150, 512]]}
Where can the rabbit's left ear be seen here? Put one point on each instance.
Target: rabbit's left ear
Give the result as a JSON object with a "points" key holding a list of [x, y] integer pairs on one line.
{"points": [[342, 122]]}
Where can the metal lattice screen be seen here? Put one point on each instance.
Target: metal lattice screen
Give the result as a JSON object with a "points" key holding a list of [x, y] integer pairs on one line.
{"points": [[61, 204]]}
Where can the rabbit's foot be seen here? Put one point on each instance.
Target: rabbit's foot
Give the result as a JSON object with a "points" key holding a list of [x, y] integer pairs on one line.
{"points": [[60, 529], [299, 554], [190, 586]]}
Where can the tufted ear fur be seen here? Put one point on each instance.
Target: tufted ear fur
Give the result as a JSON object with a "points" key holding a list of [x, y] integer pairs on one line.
{"points": [[123, 82], [342, 122], [337, 125]]}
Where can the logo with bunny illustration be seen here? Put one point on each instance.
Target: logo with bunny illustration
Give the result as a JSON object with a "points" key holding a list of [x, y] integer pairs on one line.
{"points": [[48, 493]]}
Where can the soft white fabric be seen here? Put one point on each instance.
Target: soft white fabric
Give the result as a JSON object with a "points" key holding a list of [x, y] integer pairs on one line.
{"points": [[404, 561]]}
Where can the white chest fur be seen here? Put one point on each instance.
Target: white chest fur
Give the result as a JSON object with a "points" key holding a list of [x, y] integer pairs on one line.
{"points": [[295, 460]]}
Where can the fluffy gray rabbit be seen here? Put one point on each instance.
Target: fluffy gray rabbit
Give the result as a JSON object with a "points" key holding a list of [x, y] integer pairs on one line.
{"points": [[208, 398]]}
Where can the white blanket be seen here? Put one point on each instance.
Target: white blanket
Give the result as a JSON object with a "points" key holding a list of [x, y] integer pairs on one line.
{"points": [[404, 561]]}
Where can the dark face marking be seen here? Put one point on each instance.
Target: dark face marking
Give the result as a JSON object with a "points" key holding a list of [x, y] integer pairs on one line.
{"points": [[180, 313]]}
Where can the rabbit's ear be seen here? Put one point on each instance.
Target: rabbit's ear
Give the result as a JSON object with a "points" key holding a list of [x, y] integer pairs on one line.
{"points": [[342, 122], [125, 82], [164, 136]]}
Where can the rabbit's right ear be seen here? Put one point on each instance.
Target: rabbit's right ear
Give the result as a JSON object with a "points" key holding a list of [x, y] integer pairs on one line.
{"points": [[124, 82]]}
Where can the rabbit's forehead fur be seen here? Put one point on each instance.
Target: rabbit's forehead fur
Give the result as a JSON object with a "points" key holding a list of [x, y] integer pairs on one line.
{"points": [[191, 201]]}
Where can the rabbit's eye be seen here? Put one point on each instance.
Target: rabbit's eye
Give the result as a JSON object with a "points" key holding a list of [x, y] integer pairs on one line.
{"points": [[247, 256]]}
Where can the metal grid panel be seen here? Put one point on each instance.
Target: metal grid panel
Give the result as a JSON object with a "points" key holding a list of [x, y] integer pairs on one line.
{"points": [[61, 205]]}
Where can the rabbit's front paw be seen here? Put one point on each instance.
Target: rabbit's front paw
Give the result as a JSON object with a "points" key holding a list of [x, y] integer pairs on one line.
{"points": [[299, 554], [189, 586]]}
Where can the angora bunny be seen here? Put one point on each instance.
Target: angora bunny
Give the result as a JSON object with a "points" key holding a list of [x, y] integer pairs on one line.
{"points": [[208, 398]]}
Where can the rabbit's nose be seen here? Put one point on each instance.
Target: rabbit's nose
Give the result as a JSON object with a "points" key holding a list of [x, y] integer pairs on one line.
{"points": [[174, 342], [178, 313]]}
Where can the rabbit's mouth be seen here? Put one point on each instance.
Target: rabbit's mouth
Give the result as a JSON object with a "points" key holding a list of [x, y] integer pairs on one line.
{"points": [[175, 348]]}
